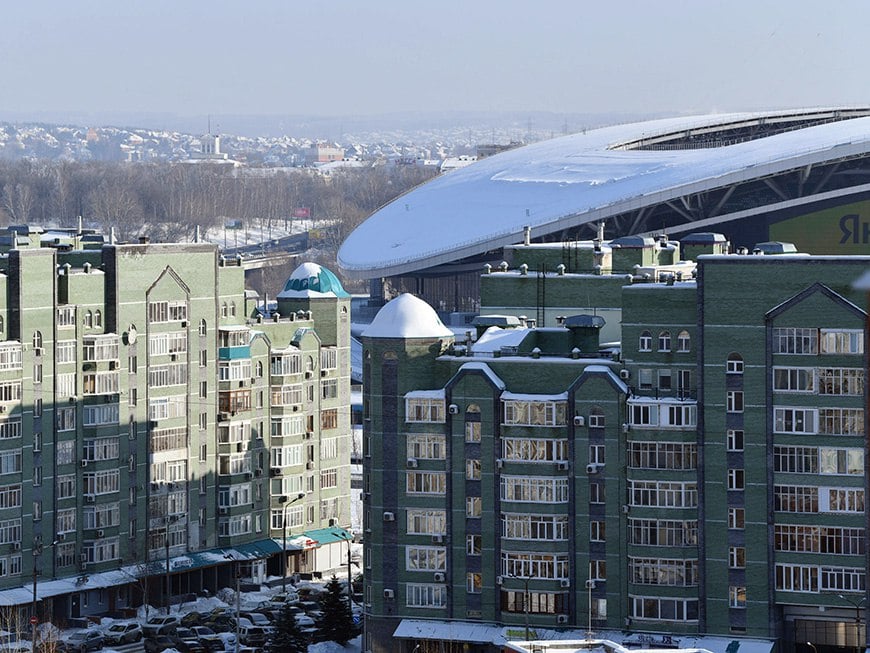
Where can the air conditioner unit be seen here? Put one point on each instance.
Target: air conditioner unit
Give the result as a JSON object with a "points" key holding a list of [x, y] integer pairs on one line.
{"points": [[61, 537], [563, 466], [155, 487], [412, 462], [84, 463], [184, 324], [83, 566], [240, 447], [579, 420], [564, 583], [173, 357], [499, 463], [389, 516], [453, 409], [16, 546], [258, 472], [590, 584], [592, 468], [439, 577], [113, 365], [323, 372], [248, 476], [223, 510], [625, 375], [309, 375], [101, 533], [275, 471], [562, 619], [437, 539], [308, 435], [83, 558], [90, 498], [626, 427], [498, 580], [309, 465], [389, 594], [223, 416], [626, 509], [253, 380]]}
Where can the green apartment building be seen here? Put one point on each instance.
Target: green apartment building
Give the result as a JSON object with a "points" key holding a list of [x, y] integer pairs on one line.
{"points": [[160, 430], [702, 478]]}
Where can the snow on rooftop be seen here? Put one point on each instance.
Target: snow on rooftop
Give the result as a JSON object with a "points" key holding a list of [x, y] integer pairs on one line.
{"points": [[406, 316], [494, 338], [573, 180]]}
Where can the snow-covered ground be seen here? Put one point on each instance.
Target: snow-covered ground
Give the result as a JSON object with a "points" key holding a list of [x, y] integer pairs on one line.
{"points": [[225, 598]]}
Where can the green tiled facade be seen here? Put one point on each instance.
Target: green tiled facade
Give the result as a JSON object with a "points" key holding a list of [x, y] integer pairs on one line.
{"points": [[706, 478], [149, 410]]}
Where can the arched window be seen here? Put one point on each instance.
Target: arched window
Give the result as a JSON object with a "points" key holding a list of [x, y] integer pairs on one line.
{"points": [[98, 319], [232, 309], [259, 369], [644, 343], [37, 339], [734, 364], [1, 324], [684, 341], [224, 309], [89, 320], [472, 423], [203, 327], [665, 341]]}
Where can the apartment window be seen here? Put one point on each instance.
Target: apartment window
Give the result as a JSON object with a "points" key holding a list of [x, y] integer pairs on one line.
{"points": [[734, 440], [794, 379], [534, 489], [664, 379], [665, 341], [841, 341], [662, 455], [663, 532], [736, 597], [597, 531], [473, 507], [534, 565], [473, 544], [426, 522], [840, 381], [658, 571], [530, 526], [736, 517], [734, 364], [472, 469], [734, 401], [426, 446], [596, 418], [534, 413], [795, 341], [598, 569], [735, 479], [841, 421], [684, 342], [663, 494], [329, 419], [736, 557], [663, 609], [644, 343], [424, 409], [425, 558], [794, 420], [419, 595], [534, 450], [473, 582], [426, 482], [472, 431], [596, 493], [645, 378]]}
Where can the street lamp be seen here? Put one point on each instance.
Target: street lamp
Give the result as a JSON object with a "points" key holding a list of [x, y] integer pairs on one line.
{"points": [[525, 580], [169, 519], [347, 537], [813, 646], [857, 605], [287, 504], [235, 567], [34, 619]]}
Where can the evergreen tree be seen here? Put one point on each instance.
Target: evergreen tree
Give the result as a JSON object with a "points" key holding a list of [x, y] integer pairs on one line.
{"points": [[288, 636], [336, 622]]}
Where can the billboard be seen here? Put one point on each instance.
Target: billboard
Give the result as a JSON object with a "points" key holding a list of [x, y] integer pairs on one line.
{"points": [[843, 229]]}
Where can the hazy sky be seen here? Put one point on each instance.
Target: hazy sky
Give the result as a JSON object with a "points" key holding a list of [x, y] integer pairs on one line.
{"points": [[337, 57]]}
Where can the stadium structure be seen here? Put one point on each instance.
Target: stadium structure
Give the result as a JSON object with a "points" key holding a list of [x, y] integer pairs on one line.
{"points": [[801, 176]]}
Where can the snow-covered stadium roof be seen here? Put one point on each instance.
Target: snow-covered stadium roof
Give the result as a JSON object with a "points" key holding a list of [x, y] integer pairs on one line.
{"points": [[587, 177]]}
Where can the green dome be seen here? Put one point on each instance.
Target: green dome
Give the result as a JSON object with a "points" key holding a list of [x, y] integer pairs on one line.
{"points": [[312, 280]]}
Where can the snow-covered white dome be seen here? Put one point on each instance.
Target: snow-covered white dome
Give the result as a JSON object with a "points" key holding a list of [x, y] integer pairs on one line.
{"points": [[312, 280], [407, 316]]}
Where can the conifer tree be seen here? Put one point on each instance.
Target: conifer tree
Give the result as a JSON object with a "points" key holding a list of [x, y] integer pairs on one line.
{"points": [[288, 636], [336, 622]]}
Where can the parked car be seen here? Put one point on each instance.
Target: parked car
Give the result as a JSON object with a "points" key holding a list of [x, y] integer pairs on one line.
{"points": [[82, 641], [252, 636], [221, 623], [158, 644], [208, 638], [192, 619], [122, 633], [160, 626], [256, 618], [186, 641]]}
